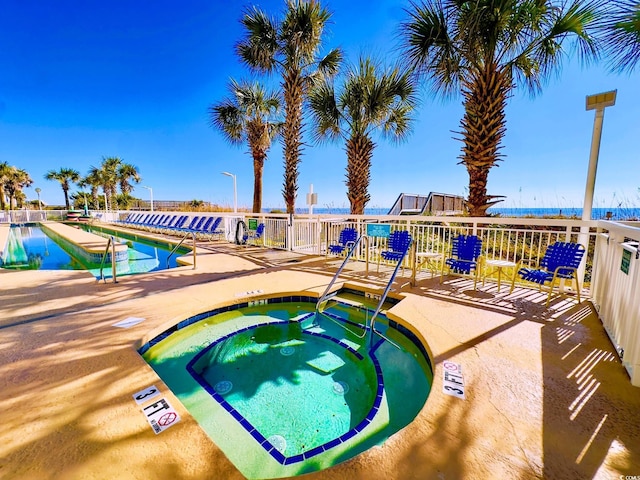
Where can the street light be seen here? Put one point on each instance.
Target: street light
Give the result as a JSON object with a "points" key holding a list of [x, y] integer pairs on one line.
{"points": [[235, 191], [38, 190], [598, 103], [150, 194]]}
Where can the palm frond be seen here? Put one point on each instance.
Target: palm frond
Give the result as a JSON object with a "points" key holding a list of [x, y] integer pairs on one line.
{"points": [[330, 63], [301, 30], [429, 46], [620, 32], [259, 46], [325, 115]]}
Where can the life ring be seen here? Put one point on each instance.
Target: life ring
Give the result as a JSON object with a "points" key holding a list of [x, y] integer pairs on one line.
{"points": [[240, 234]]}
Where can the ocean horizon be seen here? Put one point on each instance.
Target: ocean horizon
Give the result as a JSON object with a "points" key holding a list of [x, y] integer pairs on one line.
{"points": [[620, 213]]}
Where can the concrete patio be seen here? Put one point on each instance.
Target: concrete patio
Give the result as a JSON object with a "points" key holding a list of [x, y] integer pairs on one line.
{"points": [[546, 395]]}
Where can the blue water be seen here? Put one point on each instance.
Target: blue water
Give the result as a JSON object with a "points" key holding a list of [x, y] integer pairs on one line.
{"points": [[144, 255], [312, 390], [30, 248], [629, 213]]}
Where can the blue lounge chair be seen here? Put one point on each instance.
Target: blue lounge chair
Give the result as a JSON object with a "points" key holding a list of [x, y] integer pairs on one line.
{"points": [[213, 230], [218, 230], [140, 220], [465, 252], [398, 247], [203, 227], [346, 240], [164, 223], [250, 237], [190, 227], [178, 225], [561, 261]]}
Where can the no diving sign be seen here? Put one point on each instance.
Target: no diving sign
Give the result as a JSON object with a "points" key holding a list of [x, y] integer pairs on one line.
{"points": [[160, 414], [452, 379]]}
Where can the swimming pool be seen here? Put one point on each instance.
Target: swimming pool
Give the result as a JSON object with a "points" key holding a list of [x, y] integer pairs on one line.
{"points": [[30, 248], [284, 392]]}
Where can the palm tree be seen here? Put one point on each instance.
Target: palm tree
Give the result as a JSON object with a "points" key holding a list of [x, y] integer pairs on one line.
{"points": [[5, 170], [65, 176], [484, 49], [247, 116], [109, 176], [369, 101], [17, 179], [621, 34], [126, 174], [93, 180], [291, 47], [196, 204]]}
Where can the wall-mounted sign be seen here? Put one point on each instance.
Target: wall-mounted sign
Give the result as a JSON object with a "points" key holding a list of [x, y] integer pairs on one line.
{"points": [[378, 230], [253, 224], [626, 261]]}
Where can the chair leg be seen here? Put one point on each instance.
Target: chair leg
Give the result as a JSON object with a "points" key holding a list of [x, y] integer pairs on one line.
{"points": [[550, 292], [577, 286]]}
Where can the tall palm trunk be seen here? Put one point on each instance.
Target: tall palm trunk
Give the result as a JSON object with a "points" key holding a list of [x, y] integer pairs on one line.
{"points": [[66, 197], [359, 154], [94, 196], [294, 89], [483, 127], [258, 166]]}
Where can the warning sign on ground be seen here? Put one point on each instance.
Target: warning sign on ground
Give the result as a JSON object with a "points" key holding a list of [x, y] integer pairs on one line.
{"points": [[452, 381], [160, 415], [143, 396]]}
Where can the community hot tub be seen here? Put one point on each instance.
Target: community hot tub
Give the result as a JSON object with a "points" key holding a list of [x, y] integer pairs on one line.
{"points": [[285, 391]]}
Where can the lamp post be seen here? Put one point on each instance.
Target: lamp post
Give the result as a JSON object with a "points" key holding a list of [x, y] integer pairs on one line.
{"points": [[235, 191], [598, 103], [150, 195], [38, 190]]}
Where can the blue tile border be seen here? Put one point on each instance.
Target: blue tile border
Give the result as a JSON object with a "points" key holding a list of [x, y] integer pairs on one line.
{"points": [[270, 448], [228, 308]]}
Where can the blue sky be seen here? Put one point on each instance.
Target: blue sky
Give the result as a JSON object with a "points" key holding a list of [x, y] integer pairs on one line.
{"points": [[80, 81]]}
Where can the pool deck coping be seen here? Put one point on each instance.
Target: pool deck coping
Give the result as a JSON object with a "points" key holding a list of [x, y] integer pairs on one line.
{"points": [[87, 241], [533, 379]]}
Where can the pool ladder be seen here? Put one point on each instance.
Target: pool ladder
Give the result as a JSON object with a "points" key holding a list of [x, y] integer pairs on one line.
{"points": [[111, 241], [178, 246], [372, 321], [383, 297]]}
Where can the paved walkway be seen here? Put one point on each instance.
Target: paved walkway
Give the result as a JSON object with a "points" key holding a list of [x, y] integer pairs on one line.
{"points": [[546, 396]]}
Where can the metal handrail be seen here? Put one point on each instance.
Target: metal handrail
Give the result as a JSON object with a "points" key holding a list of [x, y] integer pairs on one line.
{"points": [[383, 297], [180, 243], [335, 277], [333, 280], [110, 242]]}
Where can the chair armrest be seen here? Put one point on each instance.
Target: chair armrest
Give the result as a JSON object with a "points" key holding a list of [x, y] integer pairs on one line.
{"points": [[562, 267]]}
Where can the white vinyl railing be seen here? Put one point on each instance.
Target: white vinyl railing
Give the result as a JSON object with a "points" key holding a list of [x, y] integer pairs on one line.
{"points": [[615, 291], [610, 271]]}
